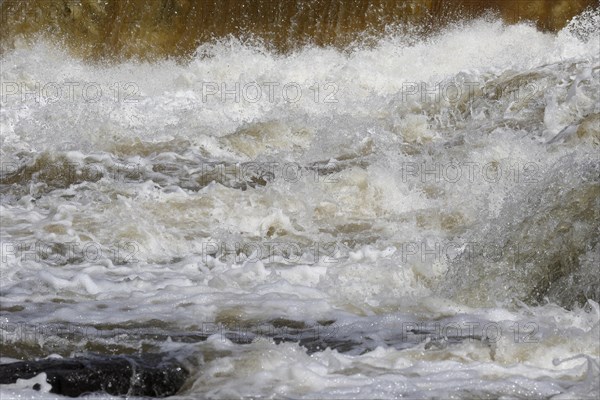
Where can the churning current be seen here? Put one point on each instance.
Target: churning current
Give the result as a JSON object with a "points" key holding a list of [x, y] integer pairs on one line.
{"points": [[414, 218]]}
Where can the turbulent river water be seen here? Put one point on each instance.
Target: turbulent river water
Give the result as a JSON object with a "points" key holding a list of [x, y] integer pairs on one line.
{"points": [[423, 212]]}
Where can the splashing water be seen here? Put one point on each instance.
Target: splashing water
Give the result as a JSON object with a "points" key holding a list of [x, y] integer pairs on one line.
{"points": [[427, 207]]}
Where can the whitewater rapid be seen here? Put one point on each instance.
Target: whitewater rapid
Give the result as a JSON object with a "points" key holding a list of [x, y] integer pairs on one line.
{"points": [[390, 197]]}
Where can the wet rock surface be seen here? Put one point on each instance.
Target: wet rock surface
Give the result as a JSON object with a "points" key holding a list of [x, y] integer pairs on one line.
{"points": [[160, 375], [150, 375], [139, 29]]}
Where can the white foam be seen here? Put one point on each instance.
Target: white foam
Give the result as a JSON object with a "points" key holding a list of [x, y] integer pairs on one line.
{"points": [[353, 232]]}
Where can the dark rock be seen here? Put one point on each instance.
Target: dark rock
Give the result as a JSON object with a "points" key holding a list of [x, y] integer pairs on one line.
{"points": [[151, 375]]}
